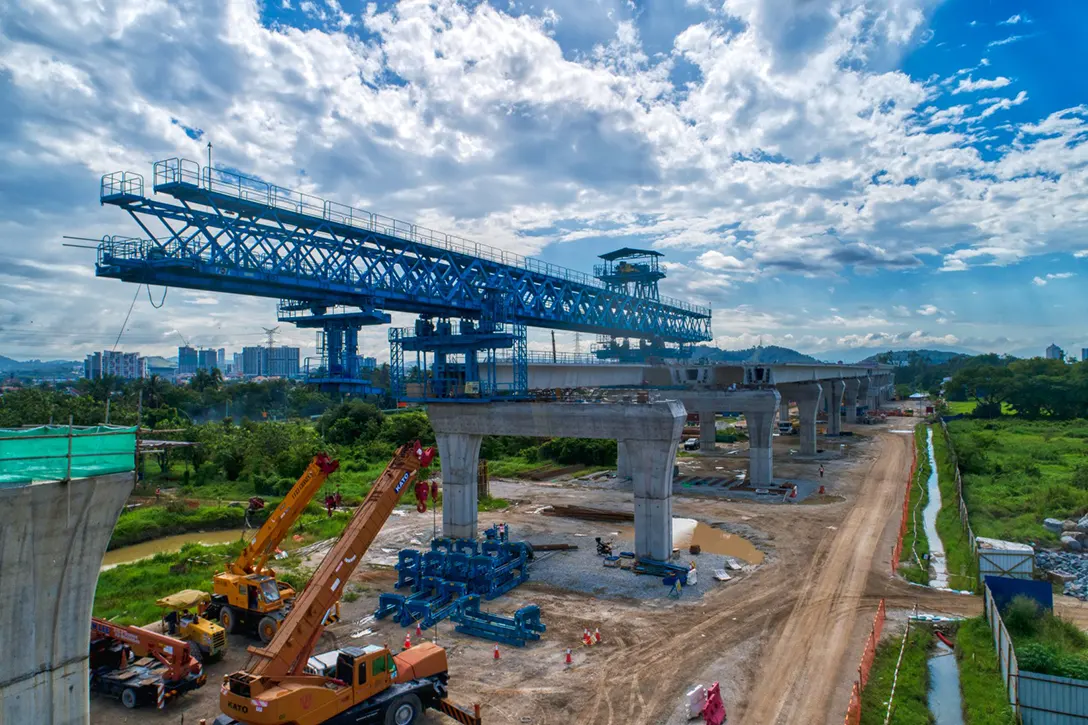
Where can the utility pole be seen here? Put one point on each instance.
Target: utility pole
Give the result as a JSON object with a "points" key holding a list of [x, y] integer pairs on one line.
{"points": [[209, 166], [271, 333]]}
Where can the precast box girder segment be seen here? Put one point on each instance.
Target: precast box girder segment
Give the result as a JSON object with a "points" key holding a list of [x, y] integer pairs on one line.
{"points": [[229, 233]]}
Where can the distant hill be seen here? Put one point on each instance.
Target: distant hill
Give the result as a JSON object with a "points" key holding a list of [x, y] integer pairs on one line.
{"points": [[10, 366], [855, 355], [768, 354], [902, 357]]}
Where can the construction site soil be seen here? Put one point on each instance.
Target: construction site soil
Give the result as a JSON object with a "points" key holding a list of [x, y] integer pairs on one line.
{"points": [[783, 639]]}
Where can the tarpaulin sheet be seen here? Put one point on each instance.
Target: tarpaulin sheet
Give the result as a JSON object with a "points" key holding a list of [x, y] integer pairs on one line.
{"points": [[42, 453]]}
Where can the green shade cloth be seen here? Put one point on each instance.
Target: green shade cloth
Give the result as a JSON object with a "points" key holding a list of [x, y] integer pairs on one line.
{"points": [[41, 454]]}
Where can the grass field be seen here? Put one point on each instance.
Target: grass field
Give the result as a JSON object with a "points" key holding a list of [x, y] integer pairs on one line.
{"points": [[985, 701], [962, 569], [909, 706], [1018, 472], [915, 543]]}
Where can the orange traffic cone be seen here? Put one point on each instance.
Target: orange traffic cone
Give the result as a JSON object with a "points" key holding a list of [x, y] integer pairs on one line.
{"points": [[596, 635], [419, 632], [407, 641], [496, 651], [793, 492], [568, 658], [587, 640], [821, 489]]}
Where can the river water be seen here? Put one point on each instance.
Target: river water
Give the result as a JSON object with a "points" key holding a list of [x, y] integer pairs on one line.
{"points": [[929, 517], [147, 549]]}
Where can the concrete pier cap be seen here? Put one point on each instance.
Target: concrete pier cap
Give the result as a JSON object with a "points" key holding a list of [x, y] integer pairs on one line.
{"points": [[759, 408], [53, 536], [649, 433]]}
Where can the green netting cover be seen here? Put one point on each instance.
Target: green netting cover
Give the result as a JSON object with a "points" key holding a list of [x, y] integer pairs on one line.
{"points": [[41, 454]]}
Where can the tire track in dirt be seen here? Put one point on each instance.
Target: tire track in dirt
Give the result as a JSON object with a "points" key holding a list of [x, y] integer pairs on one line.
{"points": [[802, 668]]}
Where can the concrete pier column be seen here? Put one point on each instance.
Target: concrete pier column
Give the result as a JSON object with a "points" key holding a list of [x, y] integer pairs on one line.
{"points": [[863, 393], [52, 539], [460, 455], [652, 462], [807, 396], [850, 399], [833, 393], [623, 461], [760, 451], [708, 439]]}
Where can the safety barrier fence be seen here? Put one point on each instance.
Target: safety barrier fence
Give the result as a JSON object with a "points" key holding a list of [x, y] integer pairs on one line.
{"points": [[61, 453], [897, 551], [965, 521], [853, 710]]}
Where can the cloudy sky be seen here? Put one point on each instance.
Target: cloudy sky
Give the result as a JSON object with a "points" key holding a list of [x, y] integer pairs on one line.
{"points": [[826, 175]]}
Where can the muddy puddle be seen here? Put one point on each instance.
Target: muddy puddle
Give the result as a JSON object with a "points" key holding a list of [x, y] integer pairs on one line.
{"points": [[147, 549], [686, 532]]}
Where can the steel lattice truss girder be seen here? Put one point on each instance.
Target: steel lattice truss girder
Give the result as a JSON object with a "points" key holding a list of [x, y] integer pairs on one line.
{"points": [[267, 252]]}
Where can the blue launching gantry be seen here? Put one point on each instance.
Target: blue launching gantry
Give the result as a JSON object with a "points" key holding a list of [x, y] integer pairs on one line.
{"points": [[337, 268]]}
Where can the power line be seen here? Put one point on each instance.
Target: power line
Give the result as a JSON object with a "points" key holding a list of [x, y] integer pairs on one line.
{"points": [[125, 323]]}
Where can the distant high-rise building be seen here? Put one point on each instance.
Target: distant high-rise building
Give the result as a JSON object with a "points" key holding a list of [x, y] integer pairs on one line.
{"points": [[252, 361], [92, 366], [206, 359], [221, 358], [283, 362], [124, 365], [237, 369], [1083, 354], [1055, 353], [187, 360]]}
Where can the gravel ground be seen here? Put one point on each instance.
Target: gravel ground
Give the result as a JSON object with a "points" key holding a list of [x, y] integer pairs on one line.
{"points": [[1075, 564]]}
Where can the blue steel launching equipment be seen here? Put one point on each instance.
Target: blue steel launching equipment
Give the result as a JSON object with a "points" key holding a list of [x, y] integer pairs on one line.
{"points": [[337, 268]]}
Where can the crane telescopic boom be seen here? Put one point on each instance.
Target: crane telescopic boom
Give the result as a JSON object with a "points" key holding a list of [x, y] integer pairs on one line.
{"points": [[293, 644], [253, 558]]}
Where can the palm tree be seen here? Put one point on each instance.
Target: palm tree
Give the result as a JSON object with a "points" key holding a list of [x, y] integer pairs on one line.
{"points": [[201, 380], [216, 376], [153, 388]]}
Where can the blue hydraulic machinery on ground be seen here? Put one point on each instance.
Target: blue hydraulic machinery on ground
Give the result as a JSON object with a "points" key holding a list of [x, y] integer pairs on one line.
{"points": [[515, 631], [337, 268], [456, 572]]}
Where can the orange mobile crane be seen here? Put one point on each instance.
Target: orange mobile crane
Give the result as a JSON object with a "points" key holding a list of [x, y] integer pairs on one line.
{"points": [[247, 595], [370, 684], [163, 669]]}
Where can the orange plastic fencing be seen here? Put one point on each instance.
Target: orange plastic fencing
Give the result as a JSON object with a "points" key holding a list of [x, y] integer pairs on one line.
{"points": [[897, 550], [853, 710]]}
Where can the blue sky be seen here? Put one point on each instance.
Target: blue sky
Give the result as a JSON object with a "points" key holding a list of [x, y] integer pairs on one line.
{"points": [[851, 176]]}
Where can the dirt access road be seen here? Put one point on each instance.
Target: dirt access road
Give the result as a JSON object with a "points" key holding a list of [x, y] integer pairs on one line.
{"points": [[784, 641]]}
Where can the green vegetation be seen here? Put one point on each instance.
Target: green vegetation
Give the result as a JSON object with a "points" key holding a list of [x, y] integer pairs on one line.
{"points": [[1044, 642], [1034, 388], [910, 706], [962, 568], [127, 593], [1018, 472], [985, 701], [915, 542]]}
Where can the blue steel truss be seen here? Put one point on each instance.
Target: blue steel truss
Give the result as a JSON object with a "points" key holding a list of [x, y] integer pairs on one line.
{"points": [[229, 233]]}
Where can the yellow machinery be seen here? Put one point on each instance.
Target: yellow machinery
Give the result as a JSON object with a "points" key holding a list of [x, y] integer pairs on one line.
{"points": [[247, 596], [183, 618], [368, 684]]}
